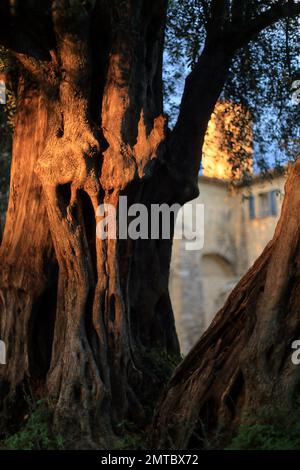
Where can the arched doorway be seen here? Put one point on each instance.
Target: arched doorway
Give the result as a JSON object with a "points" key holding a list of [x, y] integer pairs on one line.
{"points": [[218, 278]]}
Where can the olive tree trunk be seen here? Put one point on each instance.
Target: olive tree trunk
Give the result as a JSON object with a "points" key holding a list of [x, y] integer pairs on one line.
{"points": [[85, 320], [243, 362]]}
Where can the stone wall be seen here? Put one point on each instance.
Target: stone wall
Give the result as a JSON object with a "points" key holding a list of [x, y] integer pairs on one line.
{"points": [[200, 281]]}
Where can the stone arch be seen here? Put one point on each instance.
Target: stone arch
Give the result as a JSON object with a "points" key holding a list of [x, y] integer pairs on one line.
{"points": [[218, 278]]}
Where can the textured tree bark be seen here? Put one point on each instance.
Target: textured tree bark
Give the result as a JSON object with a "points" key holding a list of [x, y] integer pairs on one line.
{"points": [[27, 294], [81, 316], [243, 361], [84, 318]]}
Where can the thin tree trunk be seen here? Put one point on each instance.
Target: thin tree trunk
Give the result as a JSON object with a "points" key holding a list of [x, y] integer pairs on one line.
{"points": [[243, 361]]}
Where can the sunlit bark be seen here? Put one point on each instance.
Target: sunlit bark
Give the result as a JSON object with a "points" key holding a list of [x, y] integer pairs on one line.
{"points": [[85, 320]]}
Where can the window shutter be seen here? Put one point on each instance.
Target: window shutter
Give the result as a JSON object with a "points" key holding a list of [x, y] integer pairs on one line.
{"points": [[251, 207], [273, 202]]}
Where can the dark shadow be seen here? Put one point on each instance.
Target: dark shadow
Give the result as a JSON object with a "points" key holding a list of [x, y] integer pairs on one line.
{"points": [[41, 331]]}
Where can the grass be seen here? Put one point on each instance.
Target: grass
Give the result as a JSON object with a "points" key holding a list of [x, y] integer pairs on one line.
{"points": [[35, 433], [271, 429]]}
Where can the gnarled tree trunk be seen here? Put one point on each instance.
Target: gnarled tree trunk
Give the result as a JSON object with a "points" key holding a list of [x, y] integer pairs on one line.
{"points": [[87, 321], [243, 362], [81, 316]]}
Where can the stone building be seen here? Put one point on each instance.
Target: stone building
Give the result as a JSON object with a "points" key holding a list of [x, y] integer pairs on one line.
{"points": [[238, 223]]}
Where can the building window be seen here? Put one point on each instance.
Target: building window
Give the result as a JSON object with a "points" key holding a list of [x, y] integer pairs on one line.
{"points": [[268, 204], [264, 209], [273, 202], [251, 207]]}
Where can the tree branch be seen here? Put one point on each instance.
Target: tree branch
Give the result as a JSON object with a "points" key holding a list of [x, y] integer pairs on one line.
{"points": [[205, 83], [202, 90], [237, 11], [219, 16], [71, 23], [26, 31], [42, 71], [269, 17]]}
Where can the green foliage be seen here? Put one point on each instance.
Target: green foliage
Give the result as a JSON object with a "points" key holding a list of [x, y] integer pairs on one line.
{"points": [[10, 110], [4, 179], [272, 429], [158, 366], [161, 363], [7, 117], [36, 433], [260, 77], [7, 111], [5, 160], [4, 59], [132, 438]]}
